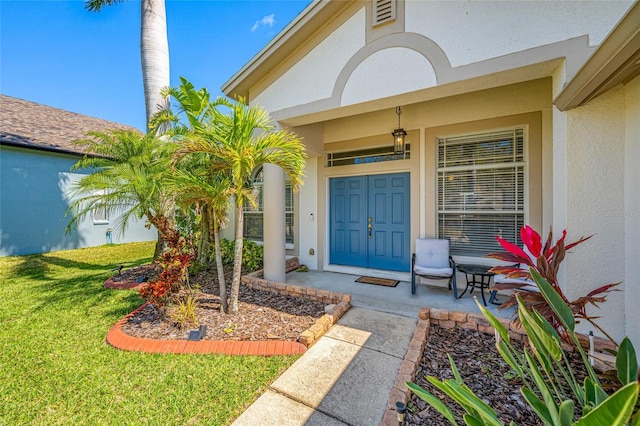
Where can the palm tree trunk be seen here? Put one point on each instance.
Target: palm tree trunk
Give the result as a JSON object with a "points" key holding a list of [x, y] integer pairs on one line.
{"points": [[159, 247], [224, 306], [204, 245], [237, 260], [154, 55]]}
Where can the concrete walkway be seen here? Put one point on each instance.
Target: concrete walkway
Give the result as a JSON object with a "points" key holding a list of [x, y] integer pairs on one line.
{"points": [[344, 379], [347, 376]]}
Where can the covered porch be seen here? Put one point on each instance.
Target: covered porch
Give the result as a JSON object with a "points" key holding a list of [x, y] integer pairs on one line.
{"points": [[396, 300]]}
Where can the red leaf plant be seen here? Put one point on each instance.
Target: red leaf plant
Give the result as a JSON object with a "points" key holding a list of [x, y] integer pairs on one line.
{"points": [[175, 261], [545, 260]]}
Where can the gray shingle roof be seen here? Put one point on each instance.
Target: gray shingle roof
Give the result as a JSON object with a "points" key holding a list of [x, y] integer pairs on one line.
{"points": [[31, 125]]}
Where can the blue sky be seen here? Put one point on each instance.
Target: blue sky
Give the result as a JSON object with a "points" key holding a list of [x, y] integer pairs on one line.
{"points": [[58, 54]]}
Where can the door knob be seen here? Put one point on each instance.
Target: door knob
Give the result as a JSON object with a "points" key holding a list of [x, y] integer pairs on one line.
{"points": [[370, 227]]}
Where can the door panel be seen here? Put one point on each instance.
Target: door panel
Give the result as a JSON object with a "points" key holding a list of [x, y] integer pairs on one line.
{"points": [[347, 218], [389, 207], [381, 201]]}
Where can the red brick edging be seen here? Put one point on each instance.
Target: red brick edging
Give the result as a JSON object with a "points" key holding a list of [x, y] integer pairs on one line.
{"points": [[123, 285], [342, 302], [118, 339]]}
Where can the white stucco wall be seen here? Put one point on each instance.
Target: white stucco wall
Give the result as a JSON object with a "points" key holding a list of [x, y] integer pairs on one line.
{"points": [[371, 79], [595, 204], [494, 28], [308, 215], [632, 213], [314, 76]]}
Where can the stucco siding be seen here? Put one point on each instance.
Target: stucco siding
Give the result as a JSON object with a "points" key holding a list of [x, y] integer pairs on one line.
{"points": [[314, 76], [527, 104], [488, 29], [595, 203], [370, 80], [632, 213], [33, 202]]}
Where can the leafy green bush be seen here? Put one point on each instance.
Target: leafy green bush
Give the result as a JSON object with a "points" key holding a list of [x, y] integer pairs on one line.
{"points": [[252, 254]]}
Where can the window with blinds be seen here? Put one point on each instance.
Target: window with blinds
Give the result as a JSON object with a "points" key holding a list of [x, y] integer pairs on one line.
{"points": [[254, 216], [481, 195]]}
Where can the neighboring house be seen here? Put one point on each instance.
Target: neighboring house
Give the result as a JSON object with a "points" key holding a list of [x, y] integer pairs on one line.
{"points": [[36, 155], [515, 112]]}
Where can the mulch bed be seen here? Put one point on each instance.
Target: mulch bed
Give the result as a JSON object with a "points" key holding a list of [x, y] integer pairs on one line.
{"points": [[262, 315], [143, 273], [481, 368]]}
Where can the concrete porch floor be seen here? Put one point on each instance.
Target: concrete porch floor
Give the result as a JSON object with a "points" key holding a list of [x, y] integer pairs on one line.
{"points": [[396, 300]]}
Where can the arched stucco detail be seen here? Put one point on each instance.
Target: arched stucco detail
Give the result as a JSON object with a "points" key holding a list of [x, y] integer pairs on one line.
{"points": [[387, 73], [419, 43]]}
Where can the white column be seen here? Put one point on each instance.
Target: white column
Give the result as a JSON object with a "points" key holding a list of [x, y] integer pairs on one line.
{"points": [[274, 221]]}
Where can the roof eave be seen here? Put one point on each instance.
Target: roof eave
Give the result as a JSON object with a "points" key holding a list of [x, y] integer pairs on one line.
{"points": [[310, 20], [56, 150], [616, 61]]}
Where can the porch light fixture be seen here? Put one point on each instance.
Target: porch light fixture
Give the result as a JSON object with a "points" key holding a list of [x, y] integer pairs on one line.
{"points": [[398, 135]]}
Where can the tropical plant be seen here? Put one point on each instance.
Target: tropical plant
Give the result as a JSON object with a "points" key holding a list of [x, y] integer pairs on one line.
{"points": [[129, 176], [252, 254], [549, 386], [175, 260], [232, 144], [545, 260], [184, 311], [239, 142], [154, 51], [198, 186]]}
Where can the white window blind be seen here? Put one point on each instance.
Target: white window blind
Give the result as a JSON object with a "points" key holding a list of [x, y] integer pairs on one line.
{"points": [[481, 192], [254, 216]]}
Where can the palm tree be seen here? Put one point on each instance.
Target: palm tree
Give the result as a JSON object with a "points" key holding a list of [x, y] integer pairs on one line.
{"points": [[154, 51], [194, 184], [238, 142], [194, 180], [130, 177]]}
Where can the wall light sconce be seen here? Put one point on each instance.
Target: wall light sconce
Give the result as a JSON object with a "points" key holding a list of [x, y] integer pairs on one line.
{"points": [[398, 135]]}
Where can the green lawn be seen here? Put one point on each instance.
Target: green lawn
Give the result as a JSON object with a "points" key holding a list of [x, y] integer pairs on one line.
{"points": [[56, 368]]}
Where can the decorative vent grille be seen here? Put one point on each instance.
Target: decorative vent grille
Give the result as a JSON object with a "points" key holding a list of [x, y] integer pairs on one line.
{"points": [[383, 11]]}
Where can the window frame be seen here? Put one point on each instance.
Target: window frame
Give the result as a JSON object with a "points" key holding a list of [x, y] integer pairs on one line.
{"points": [[518, 168], [258, 211], [96, 218]]}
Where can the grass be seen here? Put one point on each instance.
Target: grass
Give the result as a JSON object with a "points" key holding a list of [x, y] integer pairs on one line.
{"points": [[56, 368]]}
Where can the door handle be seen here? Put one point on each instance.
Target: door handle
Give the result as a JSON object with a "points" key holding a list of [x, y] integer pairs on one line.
{"points": [[370, 227]]}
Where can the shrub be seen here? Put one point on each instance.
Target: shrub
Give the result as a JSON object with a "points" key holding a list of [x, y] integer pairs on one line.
{"points": [[252, 254], [184, 312], [545, 260], [175, 260], [545, 370]]}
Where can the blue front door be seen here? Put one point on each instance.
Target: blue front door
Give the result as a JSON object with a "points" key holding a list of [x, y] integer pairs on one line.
{"points": [[369, 221]]}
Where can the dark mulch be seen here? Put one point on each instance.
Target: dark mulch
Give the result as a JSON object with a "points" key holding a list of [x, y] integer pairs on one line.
{"points": [[262, 315], [142, 272], [481, 368]]}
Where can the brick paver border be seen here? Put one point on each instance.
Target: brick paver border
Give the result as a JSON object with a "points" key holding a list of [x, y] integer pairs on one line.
{"points": [[447, 319], [339, 305], [123, 285]]}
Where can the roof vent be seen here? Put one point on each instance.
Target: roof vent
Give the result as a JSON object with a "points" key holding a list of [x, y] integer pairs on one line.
{"points": [[383, 11]]}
